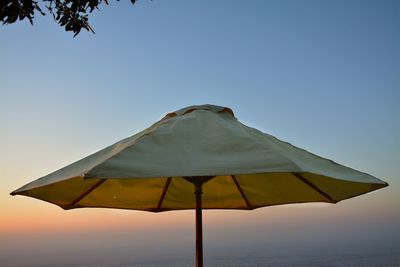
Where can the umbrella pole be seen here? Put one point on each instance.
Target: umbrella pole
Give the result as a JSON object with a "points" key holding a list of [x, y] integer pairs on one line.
{"points": [[199, 225], [198, 184]]}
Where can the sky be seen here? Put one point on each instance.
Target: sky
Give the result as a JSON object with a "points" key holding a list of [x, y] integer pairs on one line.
{"points": [[322, 75]]}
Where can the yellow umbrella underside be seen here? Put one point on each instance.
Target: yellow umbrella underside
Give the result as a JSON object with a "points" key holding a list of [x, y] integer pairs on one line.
{"points": [[221, 192]]}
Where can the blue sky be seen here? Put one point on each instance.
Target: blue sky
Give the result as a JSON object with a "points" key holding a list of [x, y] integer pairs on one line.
{"points": [[322, 75]]}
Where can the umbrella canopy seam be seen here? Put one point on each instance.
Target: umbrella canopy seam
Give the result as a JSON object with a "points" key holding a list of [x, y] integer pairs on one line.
{"points": [[241, 191], [85, 193], [314, 187], [165, 188]]}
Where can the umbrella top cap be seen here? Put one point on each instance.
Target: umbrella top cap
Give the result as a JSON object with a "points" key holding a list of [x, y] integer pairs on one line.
{"points": [[212, 108]]}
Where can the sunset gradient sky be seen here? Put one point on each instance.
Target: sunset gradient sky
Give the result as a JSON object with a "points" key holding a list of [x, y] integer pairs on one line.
{"points": [[322, 75]]}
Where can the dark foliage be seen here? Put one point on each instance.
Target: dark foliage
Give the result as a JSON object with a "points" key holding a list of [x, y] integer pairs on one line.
{"points": [[70, 14]]}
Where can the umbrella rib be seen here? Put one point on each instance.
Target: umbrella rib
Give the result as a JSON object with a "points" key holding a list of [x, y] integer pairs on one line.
{"points": [[241, 191], [165, 188], [87, 192], [313, 186]]}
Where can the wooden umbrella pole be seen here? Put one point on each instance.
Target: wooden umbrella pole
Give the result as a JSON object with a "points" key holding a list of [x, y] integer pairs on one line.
{"points": [[198, 182], [199, 225]]}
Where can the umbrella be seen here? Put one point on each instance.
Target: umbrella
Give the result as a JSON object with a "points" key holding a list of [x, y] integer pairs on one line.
{"points": [[199, 157]]}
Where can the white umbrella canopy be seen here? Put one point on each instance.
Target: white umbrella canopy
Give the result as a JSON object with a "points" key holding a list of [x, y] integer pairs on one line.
{"points": [[199, 157], [251, 169]]}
